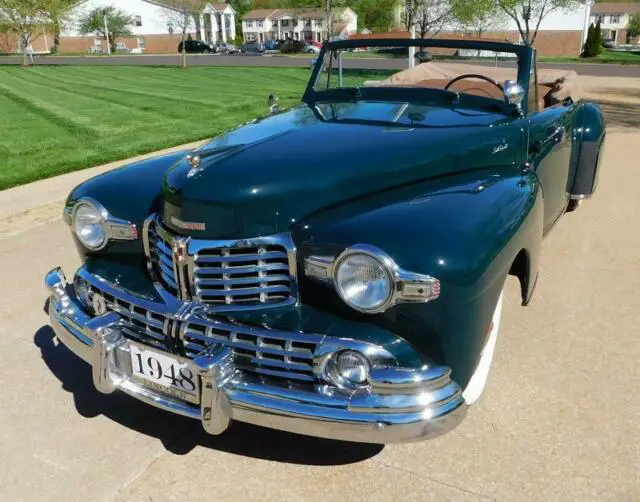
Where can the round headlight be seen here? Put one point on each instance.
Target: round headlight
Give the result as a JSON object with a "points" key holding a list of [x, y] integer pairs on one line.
{"points": [[89, 226], [363, 282], [349, 368]]}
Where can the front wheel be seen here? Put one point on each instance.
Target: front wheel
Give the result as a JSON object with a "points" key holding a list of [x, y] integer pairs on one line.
{"points": [[478, 380]]}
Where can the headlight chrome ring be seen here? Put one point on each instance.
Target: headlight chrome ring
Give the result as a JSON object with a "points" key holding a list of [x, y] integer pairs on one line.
{"points": [[364, 280], [95, 227], [89, 223]]}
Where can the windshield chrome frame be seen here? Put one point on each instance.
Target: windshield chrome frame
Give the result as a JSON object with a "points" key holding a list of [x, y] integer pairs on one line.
{"points": [[526, 58]]}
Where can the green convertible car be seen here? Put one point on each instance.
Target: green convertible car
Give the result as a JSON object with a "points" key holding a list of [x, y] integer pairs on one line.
{"points": [[334, 269]]}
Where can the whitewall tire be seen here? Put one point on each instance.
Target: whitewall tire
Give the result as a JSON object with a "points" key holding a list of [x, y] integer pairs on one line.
{"points": [[478, 380]]}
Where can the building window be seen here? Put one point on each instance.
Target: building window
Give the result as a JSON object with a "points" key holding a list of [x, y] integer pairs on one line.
{"points": [[319, 23], [138, 20], [598, 19], [307, 23], [285, 23], [614, 18], [140, 43], [260, 24], [249, 24]]}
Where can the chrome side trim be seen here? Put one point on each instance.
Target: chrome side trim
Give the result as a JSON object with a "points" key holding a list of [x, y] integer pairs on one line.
{"points": [[409, 287]]}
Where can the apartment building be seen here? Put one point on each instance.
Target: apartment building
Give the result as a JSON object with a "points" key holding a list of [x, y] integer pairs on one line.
{"points": [[297, 24], [614, 19]]}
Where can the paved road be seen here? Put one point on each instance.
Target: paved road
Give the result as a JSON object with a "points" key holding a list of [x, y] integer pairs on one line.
{"points": [[283, 61], [559, 420]]}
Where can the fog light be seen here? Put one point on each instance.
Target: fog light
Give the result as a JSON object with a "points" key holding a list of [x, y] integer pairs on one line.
{"points": [[348, 368]]}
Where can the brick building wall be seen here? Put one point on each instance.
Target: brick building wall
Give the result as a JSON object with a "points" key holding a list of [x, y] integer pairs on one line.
{"points": [[153, 44], [548, 43]]}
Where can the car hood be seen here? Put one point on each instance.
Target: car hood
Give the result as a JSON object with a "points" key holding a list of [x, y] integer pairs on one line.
{"points": [[272, 173]]}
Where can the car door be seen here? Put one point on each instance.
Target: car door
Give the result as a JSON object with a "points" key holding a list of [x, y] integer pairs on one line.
{"points": [[550, 154]]}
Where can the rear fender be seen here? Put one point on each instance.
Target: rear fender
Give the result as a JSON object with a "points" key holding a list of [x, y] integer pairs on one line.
{"points": [[590, 132]]}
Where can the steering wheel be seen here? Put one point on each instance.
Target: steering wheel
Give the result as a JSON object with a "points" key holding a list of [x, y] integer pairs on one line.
{"points": [[473, 75]]}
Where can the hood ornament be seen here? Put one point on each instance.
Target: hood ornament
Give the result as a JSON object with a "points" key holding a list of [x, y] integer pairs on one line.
{"points": [[194, 161]]}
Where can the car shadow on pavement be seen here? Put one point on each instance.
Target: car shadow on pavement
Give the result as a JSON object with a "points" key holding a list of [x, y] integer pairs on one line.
{"points": [[180, 435]]}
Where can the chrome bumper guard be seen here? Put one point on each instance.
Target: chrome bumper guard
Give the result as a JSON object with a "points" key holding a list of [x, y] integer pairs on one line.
{"points": [[399, 405]]}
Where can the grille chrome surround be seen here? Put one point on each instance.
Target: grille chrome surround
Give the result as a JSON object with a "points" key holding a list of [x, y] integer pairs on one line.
{"points": [[226, 274], [259, 350]]}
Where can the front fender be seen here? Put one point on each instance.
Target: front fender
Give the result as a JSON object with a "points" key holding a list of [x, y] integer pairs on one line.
{"points": [[131, 193], [465, 230]]}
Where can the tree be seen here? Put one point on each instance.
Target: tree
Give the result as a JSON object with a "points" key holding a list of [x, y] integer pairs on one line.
{"points": [[24, 18], [633, 28], [432, 16], [593, 45], [375, 15], [117, 24], [58, 12], [428, 17], [182, 14], [528, 14], [478, 16]]}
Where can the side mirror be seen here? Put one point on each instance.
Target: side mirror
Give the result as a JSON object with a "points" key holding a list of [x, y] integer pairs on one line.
{"points": [[273, 102], [514, 94]]}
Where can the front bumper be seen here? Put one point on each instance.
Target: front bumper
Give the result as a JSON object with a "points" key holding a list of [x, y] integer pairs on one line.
{"points": [[399, 405]]}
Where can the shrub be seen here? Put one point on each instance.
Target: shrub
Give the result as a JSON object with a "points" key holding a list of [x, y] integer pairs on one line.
{"points": [[593, 45]]}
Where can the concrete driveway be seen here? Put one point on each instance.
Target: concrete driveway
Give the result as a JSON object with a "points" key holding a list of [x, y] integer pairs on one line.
{"points": [[559, 420]]}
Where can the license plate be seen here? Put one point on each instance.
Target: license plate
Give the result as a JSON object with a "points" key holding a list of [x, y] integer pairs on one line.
{"points": [[164, 373]]}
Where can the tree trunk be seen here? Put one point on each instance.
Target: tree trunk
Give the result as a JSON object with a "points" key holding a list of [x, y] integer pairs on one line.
{"points": [[184, 49], [25, 56]]}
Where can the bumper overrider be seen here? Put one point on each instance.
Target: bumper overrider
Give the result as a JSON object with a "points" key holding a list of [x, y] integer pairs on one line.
{"points": [[397, 405]]}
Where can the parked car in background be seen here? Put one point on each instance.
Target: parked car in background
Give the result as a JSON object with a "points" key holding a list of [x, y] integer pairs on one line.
{"points": [[226, 48], [255, 47], [293, 46], [310, 49], [272, 45], [337, 268], [609, 44], [197, 47], [121, 47]]}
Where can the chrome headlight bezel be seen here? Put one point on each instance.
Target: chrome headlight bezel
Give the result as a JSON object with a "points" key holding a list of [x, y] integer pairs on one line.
{"points": [[386, 267], [406, 286], [113, 228], [102, 216]]}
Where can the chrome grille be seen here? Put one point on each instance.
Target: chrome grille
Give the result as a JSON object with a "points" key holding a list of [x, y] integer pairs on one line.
{"points": [[162, 259], [260, 350], [139, 324], [247, 275], [265, 351], [230, 274]]}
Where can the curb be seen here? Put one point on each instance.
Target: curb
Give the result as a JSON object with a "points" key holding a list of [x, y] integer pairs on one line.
{"points": [[22, 200]]}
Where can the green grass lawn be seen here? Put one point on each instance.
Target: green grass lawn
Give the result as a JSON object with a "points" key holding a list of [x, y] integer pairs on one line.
{"points": [[55, 120], [607, 56]]}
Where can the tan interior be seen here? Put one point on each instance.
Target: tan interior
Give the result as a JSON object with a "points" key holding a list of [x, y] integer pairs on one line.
{"points": [[554, 85], [479, 87]]}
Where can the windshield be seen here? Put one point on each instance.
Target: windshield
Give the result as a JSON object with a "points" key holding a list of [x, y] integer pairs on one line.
{"points": [[458, 71]]}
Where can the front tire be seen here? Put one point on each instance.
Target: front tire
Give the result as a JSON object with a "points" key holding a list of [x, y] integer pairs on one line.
{"points": [[478, 380]]}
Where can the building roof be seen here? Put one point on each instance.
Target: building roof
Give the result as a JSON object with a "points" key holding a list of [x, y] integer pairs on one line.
{"points": [[259, 13], [220, 6], [300, 12], [615, 8]]}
